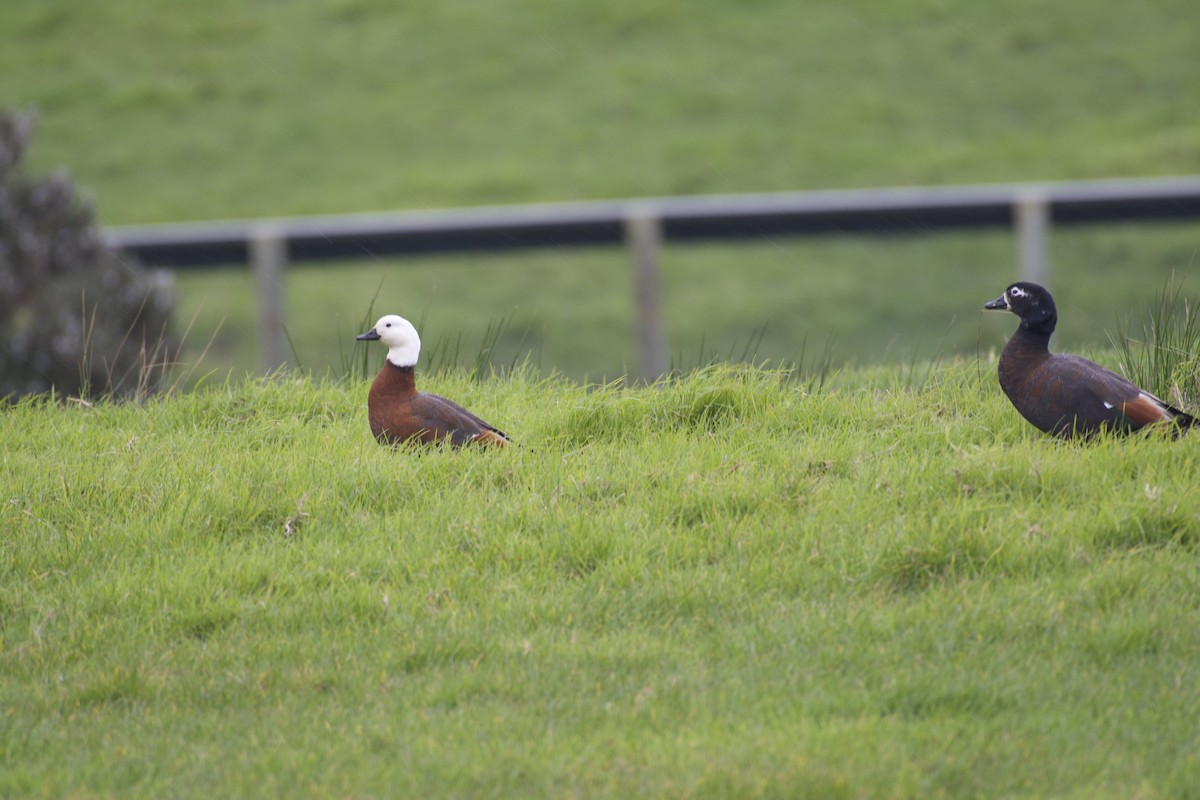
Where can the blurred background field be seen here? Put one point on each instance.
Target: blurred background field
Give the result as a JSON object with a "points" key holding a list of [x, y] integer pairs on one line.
{"points": [[861, 301], [230, 110]]}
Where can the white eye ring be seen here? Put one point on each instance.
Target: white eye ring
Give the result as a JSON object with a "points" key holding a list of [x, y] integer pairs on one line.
{"points": [[1017, 291]]}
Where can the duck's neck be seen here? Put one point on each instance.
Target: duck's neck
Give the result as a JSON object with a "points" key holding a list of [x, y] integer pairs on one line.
{"points": [[1024, 350], [395, 380], [1030, 340]]}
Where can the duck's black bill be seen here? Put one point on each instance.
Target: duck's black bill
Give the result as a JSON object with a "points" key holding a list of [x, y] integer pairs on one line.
{"points": [[999, 304], [369, 336]]}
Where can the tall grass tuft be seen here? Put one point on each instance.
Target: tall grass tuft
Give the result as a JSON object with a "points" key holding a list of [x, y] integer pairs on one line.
{"points": [[154, 369], [358, 364], [1165, 357], [446, 354], [811, 370]]}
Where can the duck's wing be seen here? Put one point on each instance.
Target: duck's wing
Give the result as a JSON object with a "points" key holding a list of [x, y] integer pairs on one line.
{"points": [[1101, 397], [447, 419]]}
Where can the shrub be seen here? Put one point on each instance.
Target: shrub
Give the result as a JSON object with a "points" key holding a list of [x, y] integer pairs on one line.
{"points": [[75, 316]]}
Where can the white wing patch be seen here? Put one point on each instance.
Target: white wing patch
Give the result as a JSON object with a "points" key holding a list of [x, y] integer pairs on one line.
{"points": [[1108, 404]]}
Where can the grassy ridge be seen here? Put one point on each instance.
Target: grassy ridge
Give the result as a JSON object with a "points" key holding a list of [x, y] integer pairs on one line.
{"points": [[723, 586]]}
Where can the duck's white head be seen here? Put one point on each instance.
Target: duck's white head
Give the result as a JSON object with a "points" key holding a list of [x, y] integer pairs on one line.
{"points": [[400, 337]]}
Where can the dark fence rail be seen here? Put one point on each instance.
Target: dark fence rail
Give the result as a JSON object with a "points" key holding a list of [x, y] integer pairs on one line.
{"points": [[865, 211], [643, 224]]}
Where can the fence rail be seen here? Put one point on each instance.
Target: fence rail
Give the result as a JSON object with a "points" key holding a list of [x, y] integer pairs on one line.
{"points": [[644, 224]]}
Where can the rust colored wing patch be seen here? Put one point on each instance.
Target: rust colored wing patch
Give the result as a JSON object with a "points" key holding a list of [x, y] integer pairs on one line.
{"points": [[491, 438], [1145, 409]]}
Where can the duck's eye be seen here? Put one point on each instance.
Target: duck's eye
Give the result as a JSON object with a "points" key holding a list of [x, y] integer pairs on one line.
{"points": [[1016, 291]]}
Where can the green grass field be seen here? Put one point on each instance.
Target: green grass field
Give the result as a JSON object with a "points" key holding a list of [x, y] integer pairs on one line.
{"points": [[726, 586], [872, 582]]}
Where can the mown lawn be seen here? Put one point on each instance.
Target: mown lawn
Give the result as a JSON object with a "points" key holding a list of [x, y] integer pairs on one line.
{"points": [[731, 585]]}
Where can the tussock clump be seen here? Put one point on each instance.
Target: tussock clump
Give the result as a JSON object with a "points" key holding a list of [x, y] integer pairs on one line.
{"points": [[704, 401], [1164, 357], [722, 394], [607, 414], [710, 408]]}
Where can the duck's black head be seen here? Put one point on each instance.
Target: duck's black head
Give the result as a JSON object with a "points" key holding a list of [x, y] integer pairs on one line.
{"points": [[1032, 303]]}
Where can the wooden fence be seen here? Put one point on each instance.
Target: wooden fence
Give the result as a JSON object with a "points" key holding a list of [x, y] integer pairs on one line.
{"points": [[643, 225]]}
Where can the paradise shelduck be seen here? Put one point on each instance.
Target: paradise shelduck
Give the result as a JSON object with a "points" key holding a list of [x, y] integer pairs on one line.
{"points": [[1062, 394], [399, 413]]}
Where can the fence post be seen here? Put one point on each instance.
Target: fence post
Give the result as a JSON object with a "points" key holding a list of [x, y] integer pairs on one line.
{"points": [[643, 236], [1031, 212], [268, 257]]}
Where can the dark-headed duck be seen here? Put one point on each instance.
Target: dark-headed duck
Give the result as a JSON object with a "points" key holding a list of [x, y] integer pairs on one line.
{"points": [[399, 413], [1062, 394]]}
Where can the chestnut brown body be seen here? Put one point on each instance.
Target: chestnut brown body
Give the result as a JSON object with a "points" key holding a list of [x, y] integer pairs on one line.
{"points": [[398, 413]]}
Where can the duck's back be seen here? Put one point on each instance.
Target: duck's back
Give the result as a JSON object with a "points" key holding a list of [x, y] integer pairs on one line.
{"points": [[444, 418]]}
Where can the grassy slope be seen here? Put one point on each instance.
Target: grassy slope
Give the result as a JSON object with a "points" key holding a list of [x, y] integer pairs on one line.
{"points": [[228, 109], [723, 587]]}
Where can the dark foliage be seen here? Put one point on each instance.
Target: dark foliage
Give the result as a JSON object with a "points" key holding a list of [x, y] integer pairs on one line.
{"points": [[75, 316]]}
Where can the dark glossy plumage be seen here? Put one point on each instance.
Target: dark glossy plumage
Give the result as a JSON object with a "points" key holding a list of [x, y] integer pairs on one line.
{"points": [[1062, 394], [398, 413]]}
